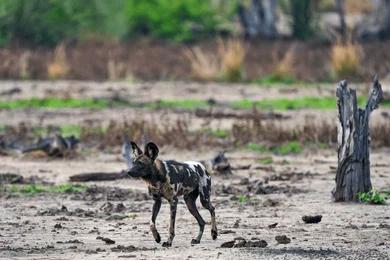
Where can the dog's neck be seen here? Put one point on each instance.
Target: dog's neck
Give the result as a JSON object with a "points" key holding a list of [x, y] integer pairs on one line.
{"points": [[158, 173]]}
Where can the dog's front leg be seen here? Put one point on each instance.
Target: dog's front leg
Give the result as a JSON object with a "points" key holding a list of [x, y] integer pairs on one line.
{"points": [[173, 204], [156, 209]]}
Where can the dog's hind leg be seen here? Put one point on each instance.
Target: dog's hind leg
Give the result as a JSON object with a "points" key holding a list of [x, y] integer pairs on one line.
{"points": [[206, 203], [156, 209], [190, 200]]}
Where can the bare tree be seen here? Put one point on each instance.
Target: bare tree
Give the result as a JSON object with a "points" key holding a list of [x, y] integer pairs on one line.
{"points": [[259, 19], [353, 171], [340, 6]]}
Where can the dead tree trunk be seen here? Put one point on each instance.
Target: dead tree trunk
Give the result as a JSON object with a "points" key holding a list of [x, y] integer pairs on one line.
{"points": [[353, 171], [340, 6], [259, 19]]}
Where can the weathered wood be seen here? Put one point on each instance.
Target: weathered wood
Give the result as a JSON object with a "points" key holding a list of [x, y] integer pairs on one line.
{"points": [[96, 176], [353, 171]]}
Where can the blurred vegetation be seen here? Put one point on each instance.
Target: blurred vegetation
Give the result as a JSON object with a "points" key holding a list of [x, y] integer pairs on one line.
{"points": [[32, 189], [291, 147], [282, 104], [48, 22], [372, 197]]}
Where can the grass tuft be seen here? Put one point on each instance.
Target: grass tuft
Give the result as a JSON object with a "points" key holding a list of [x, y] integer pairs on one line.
{"points": [[204, 66], [372, 197], [345, 59], [266, 161], [232, 55], [59, 67], [291, 147]]}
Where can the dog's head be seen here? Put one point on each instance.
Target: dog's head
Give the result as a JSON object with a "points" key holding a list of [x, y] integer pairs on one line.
{"points": [[140, 164]]}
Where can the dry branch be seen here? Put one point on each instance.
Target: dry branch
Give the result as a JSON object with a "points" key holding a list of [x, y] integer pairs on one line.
{"points": [[96, 176]]}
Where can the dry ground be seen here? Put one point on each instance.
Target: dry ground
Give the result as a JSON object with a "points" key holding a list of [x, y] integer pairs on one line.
{"points": [[36, 227]]}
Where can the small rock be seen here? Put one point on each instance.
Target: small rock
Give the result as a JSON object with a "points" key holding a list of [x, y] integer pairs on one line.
{"points": [[244, 181], [312, 219], [107, 240], [240, 242], [120, 248], [58, 226], [227, 231], [228, 244], [273, 225], [283, 239], [381, 225], [119, 207], [257, 243]]}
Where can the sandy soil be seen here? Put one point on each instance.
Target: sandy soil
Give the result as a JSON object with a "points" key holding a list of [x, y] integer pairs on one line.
{"points": [[246, 202], [346, 230]]}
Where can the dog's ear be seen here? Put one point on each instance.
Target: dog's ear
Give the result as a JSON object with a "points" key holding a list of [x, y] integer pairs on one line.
{"points": [[151, 150], [136, 150]]}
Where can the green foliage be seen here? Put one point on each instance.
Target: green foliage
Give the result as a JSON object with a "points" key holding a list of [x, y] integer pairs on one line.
{"points": [[257, 147], [90, 103], [289, 104], [242, 199], [302, 14], [54, 103], [218, 133], [292, 147], [177, 20], [32, 189], [372, 197], [50, 21], [266, 161], [277, 79]]}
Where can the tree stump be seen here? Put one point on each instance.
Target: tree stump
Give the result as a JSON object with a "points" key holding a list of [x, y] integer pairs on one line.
{"points": [[353, 170]]}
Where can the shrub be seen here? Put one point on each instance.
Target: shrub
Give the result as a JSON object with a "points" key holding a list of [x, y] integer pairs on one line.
{"points": [[302, 14], [176, 20], [59, 67], [345, 59], [284, 70], [49, 22], [228, 64], [232, 55], [204, 66], [372, 197]]}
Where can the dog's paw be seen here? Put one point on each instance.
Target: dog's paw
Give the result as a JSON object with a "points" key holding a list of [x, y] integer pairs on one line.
{"points": [[157, 237], [167, 244], [195, 241], [214, 234]]}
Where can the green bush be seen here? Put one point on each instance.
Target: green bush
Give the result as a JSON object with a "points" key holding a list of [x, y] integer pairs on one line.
{"points": [[176, 20], [372, 197], [50, 21]]}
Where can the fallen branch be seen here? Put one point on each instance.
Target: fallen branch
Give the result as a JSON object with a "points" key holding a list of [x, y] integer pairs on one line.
{"points": [[96, 176]]}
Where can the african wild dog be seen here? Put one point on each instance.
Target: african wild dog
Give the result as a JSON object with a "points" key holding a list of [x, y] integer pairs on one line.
{"points": [[171, 179]]}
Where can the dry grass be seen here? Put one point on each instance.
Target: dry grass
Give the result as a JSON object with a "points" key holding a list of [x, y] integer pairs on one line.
{"points": [[346, 59], [357, 7], [271, 132], [23, 65], [59, 67], [285, 68], [232, 54], [178, 134], [227, 64], [204, 66]]}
